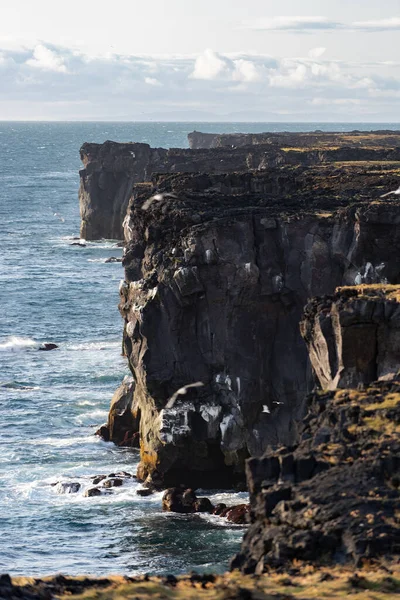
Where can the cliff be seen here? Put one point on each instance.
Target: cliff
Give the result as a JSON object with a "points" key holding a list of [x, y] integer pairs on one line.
{"points": [[112, 169], [353, 337], [218, 268], [334, 496], [318, 139]]}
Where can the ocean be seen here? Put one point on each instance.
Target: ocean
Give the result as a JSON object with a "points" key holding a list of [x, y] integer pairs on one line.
{"points": [[52, 402]]}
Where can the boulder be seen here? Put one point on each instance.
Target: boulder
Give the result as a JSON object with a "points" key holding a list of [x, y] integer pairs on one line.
{"points": [[67, 487], [90, 492]]}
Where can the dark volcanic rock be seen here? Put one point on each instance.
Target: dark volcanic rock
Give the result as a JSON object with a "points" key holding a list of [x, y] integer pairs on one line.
{"points": [[353, 337], [220, 303], [112, 169], [114, 482], [67, 487], [89, 493], [348, 511], [124, 416], [48, 346]]}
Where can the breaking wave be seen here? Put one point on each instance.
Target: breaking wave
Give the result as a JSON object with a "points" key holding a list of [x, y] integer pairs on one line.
{"points": [[17, 344]]}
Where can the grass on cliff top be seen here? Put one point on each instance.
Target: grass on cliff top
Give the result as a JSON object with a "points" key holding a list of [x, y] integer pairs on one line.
{"points": [[373, 291], [331, 584]]}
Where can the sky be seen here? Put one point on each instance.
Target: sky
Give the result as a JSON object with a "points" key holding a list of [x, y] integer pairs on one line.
{"points": [[222, 60]]}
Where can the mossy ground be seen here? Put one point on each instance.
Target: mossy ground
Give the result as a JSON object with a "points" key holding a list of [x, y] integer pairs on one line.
{"points": [[308, 583]]}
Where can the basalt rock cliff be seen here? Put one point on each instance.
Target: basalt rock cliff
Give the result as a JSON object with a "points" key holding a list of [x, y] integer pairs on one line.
{"points": [[218, 268], [334, 496], [112, 169]]}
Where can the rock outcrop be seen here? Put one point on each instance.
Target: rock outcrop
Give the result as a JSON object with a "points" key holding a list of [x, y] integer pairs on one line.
{"points": [[217, 271], [334, 496], [353, 337], [320, 139], [123, 423], [112, 169]]}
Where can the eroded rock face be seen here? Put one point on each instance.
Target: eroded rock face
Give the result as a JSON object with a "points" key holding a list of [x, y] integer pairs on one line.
{"points": [[218, 269], [124, 416], [334, 497], [353, 337], [112, 169]]}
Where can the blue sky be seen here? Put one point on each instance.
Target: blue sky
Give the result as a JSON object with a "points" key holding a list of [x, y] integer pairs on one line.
{"points": [[183, 60]]}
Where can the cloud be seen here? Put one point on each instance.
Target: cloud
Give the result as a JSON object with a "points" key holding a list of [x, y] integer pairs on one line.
{"points": [[46, 59], [317, 23], [53, 82], [316, 52], [294, 24], [391, 24], [211, 66], [152, 81]]}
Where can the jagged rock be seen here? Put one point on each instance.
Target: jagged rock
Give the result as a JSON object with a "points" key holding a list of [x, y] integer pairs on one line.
{"points": [[144, 492], [66, 487], [103, 432], [113, 259], [98, 479], [203, 505], [90, 492], [353, 337], [114, 482], [238, 514], [112, 169], [343, 504], [124, 416], [220, 303], [219, 508], [48, 346]]}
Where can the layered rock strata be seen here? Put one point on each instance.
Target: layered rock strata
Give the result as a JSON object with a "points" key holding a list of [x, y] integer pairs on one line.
{"points": [[217, 271], [353, 337], [334, 496], [112, 169], [320, 139]]}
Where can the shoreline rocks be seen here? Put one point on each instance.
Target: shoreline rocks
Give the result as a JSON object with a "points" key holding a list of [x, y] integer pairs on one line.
{"points": [[185, 501]]}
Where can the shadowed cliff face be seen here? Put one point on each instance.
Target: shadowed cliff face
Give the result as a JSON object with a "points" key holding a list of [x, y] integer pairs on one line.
{"points": [[334, 496], [112, 169], [216, 279]]}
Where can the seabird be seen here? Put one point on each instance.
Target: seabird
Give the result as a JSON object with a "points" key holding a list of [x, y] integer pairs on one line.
{"points": [[181, 392], [265, 409], [396, 192], [157, 198]]}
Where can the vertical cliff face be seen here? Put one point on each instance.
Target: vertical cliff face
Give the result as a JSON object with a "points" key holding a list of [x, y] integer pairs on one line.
{"points": [[216, 280], [106, 182], [353, 338], [334, 496], [112, 169]]}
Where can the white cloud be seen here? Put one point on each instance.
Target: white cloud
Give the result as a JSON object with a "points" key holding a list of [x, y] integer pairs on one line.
{"points": [[152, 81], [46, 59], [316, 52], [391, 24], [294, 24], [211, 85], [209, 66], [303, 24], [336, 101]]}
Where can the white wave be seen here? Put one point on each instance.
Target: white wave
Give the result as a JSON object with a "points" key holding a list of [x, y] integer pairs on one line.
{"points": [[57, 442], [16, 344], [97, 260], [94, 345]]}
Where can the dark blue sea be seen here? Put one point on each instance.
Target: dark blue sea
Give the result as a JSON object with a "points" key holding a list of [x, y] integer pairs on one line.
{"points": [[52, 402]]}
